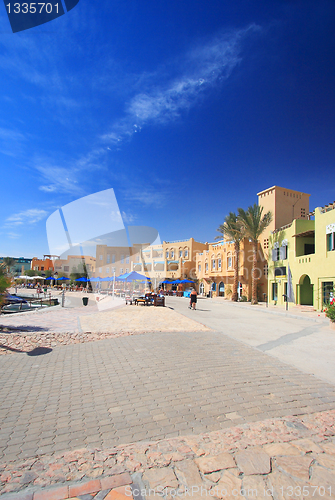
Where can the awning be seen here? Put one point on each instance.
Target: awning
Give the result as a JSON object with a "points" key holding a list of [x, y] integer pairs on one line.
{"points": [[311, 232]]}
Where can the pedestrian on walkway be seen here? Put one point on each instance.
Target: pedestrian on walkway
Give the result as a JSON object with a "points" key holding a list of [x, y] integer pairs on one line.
{"points": [[193, 299]]}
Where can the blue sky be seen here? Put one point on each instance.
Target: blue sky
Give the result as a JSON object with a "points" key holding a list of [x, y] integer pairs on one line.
{"points": [[187, 109]]}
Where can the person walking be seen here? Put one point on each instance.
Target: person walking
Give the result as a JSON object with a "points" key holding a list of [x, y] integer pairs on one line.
{"points": [[193, 299]]}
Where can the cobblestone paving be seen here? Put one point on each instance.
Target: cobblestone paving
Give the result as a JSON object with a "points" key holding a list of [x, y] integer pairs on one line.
{"points": [[276, 459], [144, 387]]}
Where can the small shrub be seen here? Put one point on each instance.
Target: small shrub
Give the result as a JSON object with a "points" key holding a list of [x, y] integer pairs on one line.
{"points": [[330, 313], [244, 298]]}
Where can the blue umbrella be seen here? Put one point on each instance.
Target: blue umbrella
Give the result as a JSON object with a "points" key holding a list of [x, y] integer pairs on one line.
{"points": [[186, 281], [133, 276], [107, 279], [63, 278], [167, 282], [120, 278], [83, 279], [96, 279]]}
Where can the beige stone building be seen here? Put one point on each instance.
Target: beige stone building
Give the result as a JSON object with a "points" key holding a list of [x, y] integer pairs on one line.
{"points": [[169, 260], [215, 270], [74, 264], [116, 260]]}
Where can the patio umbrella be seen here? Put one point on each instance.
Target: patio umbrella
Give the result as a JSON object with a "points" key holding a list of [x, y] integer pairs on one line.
{"points": [[166, 282], [83, 279], [133, 276], [63, 278], [186, 281], [96, 279], [120, 278]]}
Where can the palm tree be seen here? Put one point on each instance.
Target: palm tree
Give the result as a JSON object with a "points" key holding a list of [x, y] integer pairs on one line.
{"points": [[8, 263], [254, 223], [233, 228], [4, 283]]}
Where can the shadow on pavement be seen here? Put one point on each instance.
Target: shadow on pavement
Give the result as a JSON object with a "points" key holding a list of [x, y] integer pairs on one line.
{"points": [[11, 329], [38, 351]]}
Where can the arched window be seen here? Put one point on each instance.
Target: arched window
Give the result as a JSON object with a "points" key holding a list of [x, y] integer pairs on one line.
{"points": [[185, 253], [219, 261], [213, 263], [180, 252], [206, 267], [221, 289], [229, 261], [172, 253], [202, 289]]}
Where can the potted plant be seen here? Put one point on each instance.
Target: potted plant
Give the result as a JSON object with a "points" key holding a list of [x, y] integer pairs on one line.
{"points": [[330, 313]]}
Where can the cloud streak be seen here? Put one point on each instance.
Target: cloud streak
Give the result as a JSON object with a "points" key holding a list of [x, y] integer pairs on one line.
{"points": [[201, 69], [30, 216]]}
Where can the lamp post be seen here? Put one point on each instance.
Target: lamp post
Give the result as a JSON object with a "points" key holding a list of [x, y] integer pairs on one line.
{"points": [[55, 277]]}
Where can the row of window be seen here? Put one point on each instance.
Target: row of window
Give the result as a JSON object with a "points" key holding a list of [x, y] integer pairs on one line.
{"points": [[216, 264], [170, 254], [113, 270], [122, 258]]}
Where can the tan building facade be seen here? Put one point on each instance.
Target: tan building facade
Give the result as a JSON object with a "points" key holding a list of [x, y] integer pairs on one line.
{"points": [[169, 260], [285, 206], [215, 270], [74, 264]]}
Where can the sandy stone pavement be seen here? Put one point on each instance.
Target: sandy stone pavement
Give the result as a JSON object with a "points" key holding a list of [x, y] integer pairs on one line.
{"points": [[139, 319], [26, 332]]}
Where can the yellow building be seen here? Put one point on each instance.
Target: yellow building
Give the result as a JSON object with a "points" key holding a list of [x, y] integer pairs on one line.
{"points": [[215, 270], [307, 247]]}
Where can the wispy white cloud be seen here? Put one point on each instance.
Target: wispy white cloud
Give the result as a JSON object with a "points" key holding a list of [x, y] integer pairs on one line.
{"points": [[68, 178], [13, 236], [11, 141], [30, 216], [146, 195], [128, 217], [202, 68]]}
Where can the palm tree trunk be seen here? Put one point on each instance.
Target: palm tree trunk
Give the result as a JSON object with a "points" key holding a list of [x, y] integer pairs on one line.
{"points": [[254, 279], [236, 268]]}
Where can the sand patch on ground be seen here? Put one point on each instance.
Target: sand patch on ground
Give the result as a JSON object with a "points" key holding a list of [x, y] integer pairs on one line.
{"points": [[140, 319]]}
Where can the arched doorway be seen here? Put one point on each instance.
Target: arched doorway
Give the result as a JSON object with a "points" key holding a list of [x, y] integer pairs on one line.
{"points": [[239, 290], [202, 289], [221, 289], [306, 291]]}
